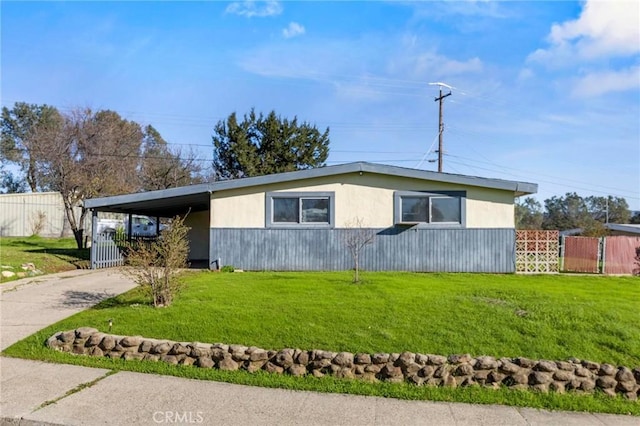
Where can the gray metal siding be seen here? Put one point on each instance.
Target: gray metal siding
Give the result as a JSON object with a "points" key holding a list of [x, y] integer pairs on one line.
{"points": [[394, 249]]}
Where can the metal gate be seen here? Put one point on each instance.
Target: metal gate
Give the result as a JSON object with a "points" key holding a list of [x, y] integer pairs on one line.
{"points": [[581, 254], [105, 251], [620, 255]]}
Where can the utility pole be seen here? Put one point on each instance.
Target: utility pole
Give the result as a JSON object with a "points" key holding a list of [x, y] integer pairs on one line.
{"points": [[440, 122]]}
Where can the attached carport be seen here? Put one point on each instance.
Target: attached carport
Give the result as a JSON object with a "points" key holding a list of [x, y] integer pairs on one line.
{"points": [[193, 201]]}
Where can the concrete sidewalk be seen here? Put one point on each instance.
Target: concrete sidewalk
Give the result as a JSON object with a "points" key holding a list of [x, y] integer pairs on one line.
{"points": [[35, 393]]}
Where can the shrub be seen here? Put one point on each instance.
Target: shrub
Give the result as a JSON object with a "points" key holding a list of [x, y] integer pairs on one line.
{"points": [[227, 268], [154, 265]]}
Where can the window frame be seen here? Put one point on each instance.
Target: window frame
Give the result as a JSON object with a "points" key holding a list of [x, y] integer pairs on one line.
{"points": [[397, 208], [270, 196]]}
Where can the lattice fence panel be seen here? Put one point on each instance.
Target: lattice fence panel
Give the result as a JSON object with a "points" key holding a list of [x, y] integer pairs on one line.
{"points": [[537, 251]]}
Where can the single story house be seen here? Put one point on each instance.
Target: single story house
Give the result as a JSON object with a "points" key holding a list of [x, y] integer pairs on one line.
{"points": [[423, 220]]}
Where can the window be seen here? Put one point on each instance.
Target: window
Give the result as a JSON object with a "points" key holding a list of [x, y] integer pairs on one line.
{"points": [[434, 208], [308, 209]]}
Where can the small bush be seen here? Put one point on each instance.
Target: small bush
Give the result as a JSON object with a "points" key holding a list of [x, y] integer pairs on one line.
{"points": [[227, 268], [153, 265]]}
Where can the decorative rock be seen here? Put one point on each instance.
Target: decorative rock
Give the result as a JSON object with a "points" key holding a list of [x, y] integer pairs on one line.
{"points": [[161, 348], [422, 359], [587, 385], [373, 368], [427, 371], [187, 361], [129, 342], [380, 358], [557, 387], [563, 376], [609, 392], [437, 360], [406, 358], [632, 396], [170, 359], [199, 349], [389, 371], [449, 381], [525, 362], [317, 373], [546, 366], [496, 377], [582, 372], [362, 358], [459, 359], [297, 370], [96, 338], [626, 386], [179, 349], [107, 343], [606, 382], [151, 357], [302, 358], [68, 336], [411, 369], [273, 368], [589, 365], [565, 366], [344, 359], [606, 370], [132, 355], [258, 355], [485, 363], [284, 359], [625, 374], [8, 274], [85, 332], [228, 364], [463, 370], [539, 377], [541, 387], [204, 362], [509, 367], [96, 351]]}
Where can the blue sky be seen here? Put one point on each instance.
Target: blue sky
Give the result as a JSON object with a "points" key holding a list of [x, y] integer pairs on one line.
{"points": [[544, 92]]}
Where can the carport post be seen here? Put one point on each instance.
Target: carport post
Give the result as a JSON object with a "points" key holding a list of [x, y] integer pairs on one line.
{"points": [[157, 226], [129, 228], [94, 236]]}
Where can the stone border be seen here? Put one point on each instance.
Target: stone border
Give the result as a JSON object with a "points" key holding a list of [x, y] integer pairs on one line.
{"points": [[419, 369]]}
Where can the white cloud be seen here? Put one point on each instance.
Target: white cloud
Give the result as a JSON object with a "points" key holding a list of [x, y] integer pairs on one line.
{"points": [[294, 29], [253, 8], [599, 83], [604, 29]]}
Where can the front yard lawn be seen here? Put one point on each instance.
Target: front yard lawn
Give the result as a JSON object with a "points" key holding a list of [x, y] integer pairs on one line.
{"points": [[48, 255], [540, 317]]}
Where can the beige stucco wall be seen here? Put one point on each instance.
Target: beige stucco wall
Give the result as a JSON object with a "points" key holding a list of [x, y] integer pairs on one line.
{"points": [[198, 234], [368, 197]]}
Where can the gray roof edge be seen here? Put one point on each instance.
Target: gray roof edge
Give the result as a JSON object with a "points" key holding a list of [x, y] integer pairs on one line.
{"points": [[626, 227], [92, 203], [521, 188]]}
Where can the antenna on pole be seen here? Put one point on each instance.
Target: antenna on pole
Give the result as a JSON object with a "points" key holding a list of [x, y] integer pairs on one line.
{"points": [[441, 123]]}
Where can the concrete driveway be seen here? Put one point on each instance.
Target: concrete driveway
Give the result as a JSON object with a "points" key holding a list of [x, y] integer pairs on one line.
{"points": [[38, 393]]}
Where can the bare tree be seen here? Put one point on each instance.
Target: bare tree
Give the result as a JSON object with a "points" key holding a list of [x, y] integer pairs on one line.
{"points": [[90, 155], [356, 237], [162, 167], [154, 266]]}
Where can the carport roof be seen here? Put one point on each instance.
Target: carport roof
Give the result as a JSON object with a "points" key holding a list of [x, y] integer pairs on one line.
{"points": [[170, 202]]}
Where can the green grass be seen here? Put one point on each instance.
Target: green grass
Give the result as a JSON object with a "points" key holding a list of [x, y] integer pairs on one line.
{"points": [[49, 255], [541, 317]]}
